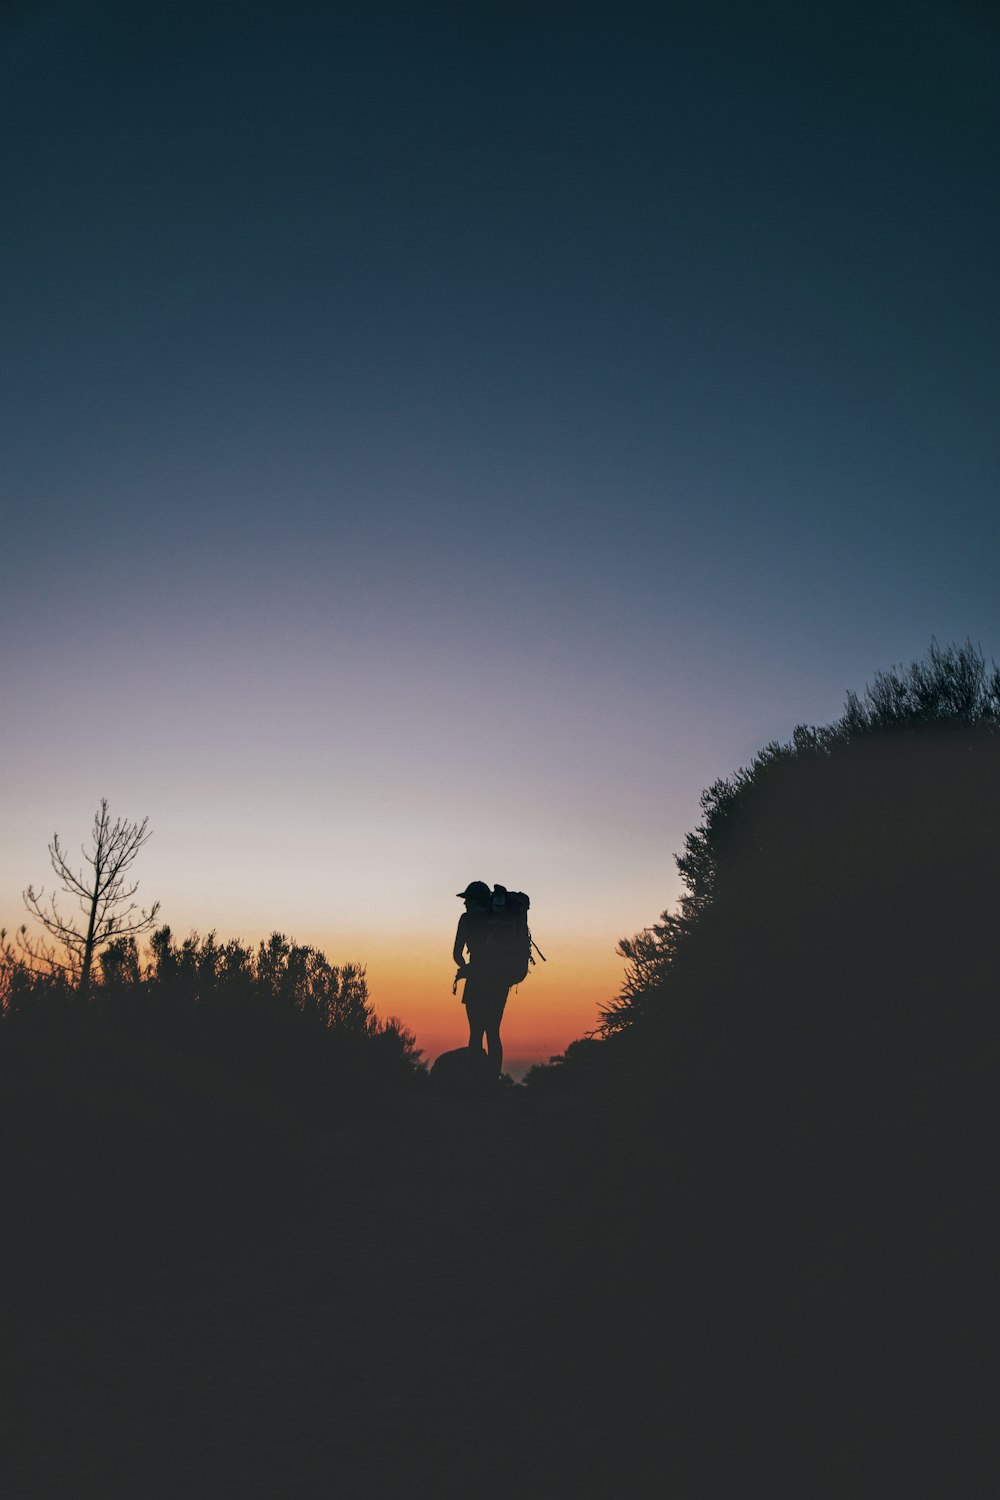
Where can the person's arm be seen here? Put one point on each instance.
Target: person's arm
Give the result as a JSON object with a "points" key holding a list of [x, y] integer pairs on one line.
{"points": [[459, 949]]}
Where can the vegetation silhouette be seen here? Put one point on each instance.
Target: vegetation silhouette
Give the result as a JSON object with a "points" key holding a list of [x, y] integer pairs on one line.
{"points": [[103, 895], [799, 1084], [838, 902], [278, 1018]]}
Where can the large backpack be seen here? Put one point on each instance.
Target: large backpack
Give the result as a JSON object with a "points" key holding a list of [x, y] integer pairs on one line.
{"points": [[506, 948]]}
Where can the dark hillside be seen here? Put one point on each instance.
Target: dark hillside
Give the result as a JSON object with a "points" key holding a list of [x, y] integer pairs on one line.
{"points": [[806, 1065]]}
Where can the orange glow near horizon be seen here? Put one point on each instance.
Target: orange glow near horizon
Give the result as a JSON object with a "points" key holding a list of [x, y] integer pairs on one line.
{"points": [[555, 1005]]}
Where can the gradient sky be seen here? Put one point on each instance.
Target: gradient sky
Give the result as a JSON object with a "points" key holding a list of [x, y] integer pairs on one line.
{"points": [[439, 440]]}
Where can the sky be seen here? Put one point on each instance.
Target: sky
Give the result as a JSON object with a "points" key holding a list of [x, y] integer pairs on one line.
{"points": [[439, 440]]}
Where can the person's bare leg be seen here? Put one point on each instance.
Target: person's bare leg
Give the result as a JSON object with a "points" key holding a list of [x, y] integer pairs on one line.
{"points": [[494, 1046], [495, 1049], [476, 1026]]}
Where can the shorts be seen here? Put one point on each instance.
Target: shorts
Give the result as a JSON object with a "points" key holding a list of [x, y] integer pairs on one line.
{"points": [[485, 997]]}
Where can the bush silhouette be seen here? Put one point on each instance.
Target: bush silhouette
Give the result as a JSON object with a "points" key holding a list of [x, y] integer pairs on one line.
{"points": [[279, 1018], [168, 1107], [838, 899]]}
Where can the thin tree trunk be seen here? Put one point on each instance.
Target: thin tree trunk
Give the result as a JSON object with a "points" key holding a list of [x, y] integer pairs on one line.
{"points": [[88, 950]]}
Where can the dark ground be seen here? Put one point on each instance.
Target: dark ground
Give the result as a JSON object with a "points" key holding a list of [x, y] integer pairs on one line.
{"points": [[399, 1328], [476, 1298]]}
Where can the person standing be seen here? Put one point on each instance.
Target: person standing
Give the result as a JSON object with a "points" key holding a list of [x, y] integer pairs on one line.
{"points": [[486, 989]]}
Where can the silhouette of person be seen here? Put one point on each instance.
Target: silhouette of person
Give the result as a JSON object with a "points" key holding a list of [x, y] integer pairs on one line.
{"points": [[485, 991]]}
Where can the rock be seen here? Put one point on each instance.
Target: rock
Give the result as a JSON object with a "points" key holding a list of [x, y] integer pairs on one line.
{"points": [[464, 1071]]}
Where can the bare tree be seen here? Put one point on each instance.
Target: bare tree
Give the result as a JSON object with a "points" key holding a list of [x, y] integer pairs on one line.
{"points": [[104, 895]]}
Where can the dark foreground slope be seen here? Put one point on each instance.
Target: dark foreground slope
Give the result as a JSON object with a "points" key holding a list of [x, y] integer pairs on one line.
{"points": [[408, 1308], [493, 1298]]}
